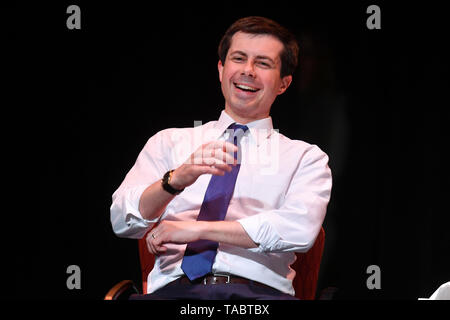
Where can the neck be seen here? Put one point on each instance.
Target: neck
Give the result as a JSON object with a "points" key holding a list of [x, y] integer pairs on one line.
{"points": [[244, 119]]}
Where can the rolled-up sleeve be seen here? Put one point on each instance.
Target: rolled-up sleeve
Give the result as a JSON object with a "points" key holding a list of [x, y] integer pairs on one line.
{"points": [[295, 225], [150, 166]]}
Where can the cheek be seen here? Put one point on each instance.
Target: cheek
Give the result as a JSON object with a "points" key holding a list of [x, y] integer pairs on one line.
{"points": [[271, 86], [227, 74]]}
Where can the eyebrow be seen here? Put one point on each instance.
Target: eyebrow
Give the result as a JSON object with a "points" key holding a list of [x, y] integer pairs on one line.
{"points": [[260, 57]]}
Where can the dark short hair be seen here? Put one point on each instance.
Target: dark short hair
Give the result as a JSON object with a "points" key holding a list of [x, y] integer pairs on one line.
{"points": [[260, 25]]}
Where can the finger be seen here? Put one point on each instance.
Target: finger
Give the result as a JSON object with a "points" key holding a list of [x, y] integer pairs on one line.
{"points": [[216, 163], [229, 147], [210, 149], [151, 247], [156, 248], [225, 157], [160, 250], [223, 167], [148, 240], [212, 170], [158, 245], [205, 169], [222, 145], [211, 161]]}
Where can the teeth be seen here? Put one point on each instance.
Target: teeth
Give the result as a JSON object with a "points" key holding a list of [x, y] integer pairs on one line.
{"points": [[244, 87]]}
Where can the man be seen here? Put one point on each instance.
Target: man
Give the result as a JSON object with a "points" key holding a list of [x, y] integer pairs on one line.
{"points": [[232, 199]]}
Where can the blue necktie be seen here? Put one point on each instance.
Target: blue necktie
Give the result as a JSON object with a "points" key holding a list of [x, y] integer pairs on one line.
{"points": [[199, 255]]}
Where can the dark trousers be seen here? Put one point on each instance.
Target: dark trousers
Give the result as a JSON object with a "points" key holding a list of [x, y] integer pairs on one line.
{"points": [[229, 291]]}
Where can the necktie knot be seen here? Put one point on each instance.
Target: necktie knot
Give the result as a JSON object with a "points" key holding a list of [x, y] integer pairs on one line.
{"points": [[237, 132], [237, 127]]}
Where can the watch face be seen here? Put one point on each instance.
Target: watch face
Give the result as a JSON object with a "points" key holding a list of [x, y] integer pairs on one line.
{"points": [[166, 177], [166, 186]]}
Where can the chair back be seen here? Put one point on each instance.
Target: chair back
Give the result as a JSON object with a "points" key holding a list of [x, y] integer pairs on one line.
{"points": [[306, 267]]}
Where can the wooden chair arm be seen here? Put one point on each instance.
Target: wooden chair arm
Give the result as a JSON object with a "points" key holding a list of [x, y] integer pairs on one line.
{"points": [[118, 291]]}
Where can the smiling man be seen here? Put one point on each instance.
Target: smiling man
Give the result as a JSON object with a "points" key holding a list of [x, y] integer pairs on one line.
{"points": [[250, 77], [222, 228]]}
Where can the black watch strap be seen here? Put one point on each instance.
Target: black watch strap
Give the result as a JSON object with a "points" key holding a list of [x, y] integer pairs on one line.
{"points": [[165, 182]]}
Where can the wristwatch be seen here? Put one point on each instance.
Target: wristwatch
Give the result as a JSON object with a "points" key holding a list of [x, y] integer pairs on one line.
{"points": [[165, 182]]}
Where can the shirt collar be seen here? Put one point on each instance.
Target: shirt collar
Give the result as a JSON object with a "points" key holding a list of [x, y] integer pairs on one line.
{"points": [[259, 129]]}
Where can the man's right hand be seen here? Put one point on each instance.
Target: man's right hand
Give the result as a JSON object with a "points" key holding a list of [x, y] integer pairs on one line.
{"points": [[215, 157]]}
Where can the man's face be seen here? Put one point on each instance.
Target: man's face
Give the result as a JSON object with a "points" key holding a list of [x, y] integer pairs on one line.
{"points": [[250, 77]]}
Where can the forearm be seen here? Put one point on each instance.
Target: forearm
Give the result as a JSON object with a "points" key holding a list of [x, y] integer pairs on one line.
{"points": [[230, 232], [153, 201], [181, 232]]}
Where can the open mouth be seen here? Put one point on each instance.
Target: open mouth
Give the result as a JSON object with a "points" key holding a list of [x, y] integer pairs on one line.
{"points": [[245, 87]]}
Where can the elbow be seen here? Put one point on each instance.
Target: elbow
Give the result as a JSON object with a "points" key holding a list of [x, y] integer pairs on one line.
{"points": [[313, 238], [128, 225], [119, 226], [122, 229], [308, 245], [304, 240]]}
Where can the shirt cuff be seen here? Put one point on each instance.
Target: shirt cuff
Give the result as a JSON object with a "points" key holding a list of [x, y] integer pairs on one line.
{"points": [[261, 232], [127, 220], [133, 215]]}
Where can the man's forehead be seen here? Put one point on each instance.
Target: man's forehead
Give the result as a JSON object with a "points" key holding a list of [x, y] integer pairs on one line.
{"points": [[256, 44]]}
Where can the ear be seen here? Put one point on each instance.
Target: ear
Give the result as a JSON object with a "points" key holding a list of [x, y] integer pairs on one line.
{"points": [[285, 83], [220, 67]]}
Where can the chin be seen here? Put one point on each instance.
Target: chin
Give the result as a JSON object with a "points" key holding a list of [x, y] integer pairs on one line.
{"points": [[239, 104], [242, 109]]}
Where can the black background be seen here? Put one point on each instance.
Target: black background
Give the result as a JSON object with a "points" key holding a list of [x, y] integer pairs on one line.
{"points": [[84, 102]]}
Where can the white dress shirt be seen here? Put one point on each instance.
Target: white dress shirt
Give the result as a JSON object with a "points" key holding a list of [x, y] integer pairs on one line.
{"points": [[280, 199]]}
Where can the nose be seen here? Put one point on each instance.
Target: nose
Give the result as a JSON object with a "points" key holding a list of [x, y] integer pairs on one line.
{"points": [[249, 69]]}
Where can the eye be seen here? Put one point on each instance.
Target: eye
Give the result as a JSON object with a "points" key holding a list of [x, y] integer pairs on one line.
{"points": [[237, 59], [264, 64]]}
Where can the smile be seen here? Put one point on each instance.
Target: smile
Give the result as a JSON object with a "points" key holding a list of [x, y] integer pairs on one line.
{"points": [[246, 88]]}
